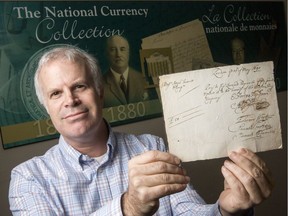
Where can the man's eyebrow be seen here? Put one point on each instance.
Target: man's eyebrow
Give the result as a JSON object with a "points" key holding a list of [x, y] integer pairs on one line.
{"points": [[78, 81], [50, 91]]}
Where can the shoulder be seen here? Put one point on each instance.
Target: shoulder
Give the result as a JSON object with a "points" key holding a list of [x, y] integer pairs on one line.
{"points": [[37, 165], [134, 72], [107, 75], [152, 142]]}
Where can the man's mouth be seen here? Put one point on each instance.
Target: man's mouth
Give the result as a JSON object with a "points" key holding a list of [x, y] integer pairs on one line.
{"points": [[75, 114]]}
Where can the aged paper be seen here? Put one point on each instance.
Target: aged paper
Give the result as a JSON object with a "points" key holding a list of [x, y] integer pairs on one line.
{"points": [[187, 41], [212, 111]]}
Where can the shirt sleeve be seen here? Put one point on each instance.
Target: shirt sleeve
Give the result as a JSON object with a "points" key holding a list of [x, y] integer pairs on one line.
{"points": [[189, 202], [26, 197], [113, 208], [250, 211]]}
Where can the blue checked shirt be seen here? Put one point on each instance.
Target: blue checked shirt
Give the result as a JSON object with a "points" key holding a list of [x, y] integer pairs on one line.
{"points": [[66, 182]]}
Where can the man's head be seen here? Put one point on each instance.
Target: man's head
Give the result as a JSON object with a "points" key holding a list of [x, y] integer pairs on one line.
{"points": [[73, 54], [238, 50], [68, 83], [117, 49]]}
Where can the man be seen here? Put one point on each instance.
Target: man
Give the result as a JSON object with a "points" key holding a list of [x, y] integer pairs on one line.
{"points": [[238, 50], [96, 171], [118, 51]]}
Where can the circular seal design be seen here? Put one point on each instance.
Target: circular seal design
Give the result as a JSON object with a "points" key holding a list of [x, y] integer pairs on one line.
{"points": [[27, 90]]}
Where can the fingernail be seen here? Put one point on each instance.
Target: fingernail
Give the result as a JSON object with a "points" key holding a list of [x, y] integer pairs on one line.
{"points": [[232, 154], [227, 162], [243, 150], [178, 161], [224, 169]]}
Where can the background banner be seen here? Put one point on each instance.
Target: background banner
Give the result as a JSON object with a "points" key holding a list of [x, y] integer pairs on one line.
{"points": [[164, 37]]}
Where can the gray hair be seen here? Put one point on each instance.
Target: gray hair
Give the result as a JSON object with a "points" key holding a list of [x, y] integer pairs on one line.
{"points": [[73, 54]]}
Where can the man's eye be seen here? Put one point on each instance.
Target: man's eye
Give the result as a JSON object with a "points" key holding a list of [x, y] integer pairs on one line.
{"points": [[80, 86], [55, 94]]}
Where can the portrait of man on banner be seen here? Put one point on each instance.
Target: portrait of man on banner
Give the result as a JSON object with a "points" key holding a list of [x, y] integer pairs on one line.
{"points": [[122, 83]]}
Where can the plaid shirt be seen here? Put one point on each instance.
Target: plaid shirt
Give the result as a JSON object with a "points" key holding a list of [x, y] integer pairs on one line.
{"points": [[66, 182]]}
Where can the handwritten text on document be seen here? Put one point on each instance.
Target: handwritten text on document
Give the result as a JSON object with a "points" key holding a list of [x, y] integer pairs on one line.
{"points": [[212, 111]]}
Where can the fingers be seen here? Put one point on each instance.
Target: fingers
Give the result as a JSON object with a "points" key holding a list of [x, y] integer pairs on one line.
{"points": [[153, 156], [249, 175], [256, 168], [234, 197], [153, 175], [160, 179], [260, 165], [160, 191], [155, 168], [242, 184]]}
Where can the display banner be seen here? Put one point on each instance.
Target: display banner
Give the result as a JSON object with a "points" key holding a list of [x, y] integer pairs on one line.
{"points": [[161, 37]]}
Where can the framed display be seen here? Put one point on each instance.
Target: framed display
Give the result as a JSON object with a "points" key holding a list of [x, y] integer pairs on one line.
{"points": [[159, 37]]}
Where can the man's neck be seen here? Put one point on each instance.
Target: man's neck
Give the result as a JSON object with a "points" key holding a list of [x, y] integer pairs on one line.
{"points": [[94, 144], [119, 70]]}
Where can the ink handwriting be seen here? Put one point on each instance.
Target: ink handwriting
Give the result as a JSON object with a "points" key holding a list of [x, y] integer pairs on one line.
{"points": [[252, 126], [185, 116]]}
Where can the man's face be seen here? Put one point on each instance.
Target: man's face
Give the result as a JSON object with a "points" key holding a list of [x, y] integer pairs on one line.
{"points": [[238, 52], [118, 53], [70, 98]]}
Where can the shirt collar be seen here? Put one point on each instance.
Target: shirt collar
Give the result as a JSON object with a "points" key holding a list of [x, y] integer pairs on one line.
{"points": [[72, 154], [117, 75]]}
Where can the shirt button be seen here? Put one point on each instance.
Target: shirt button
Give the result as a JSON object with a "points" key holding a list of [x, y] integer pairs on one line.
{"points": [[100, 170]]}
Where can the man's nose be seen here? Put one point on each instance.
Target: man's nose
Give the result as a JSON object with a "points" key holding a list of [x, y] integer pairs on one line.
{"points": [[118, 52], [71, 99]]}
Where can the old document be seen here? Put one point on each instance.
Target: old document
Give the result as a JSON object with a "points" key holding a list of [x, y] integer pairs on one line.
{"points": [[187, 41], [212, 111]]}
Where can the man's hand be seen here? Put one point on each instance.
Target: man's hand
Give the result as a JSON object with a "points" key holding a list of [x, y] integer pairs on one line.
{"points": [[248, 182], [152, 175]]}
